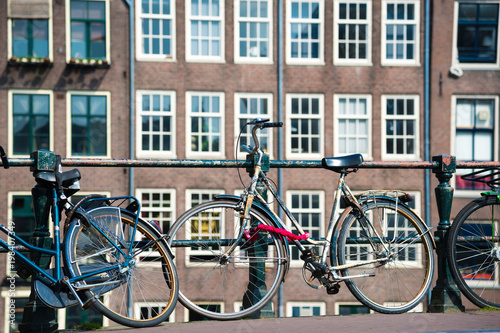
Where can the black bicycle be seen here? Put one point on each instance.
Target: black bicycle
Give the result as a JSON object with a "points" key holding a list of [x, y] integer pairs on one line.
{"points": [[474, 240]]}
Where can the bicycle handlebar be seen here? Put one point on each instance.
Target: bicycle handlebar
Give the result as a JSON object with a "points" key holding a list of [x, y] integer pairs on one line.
{"points": [[277, 124], [5, 160]]}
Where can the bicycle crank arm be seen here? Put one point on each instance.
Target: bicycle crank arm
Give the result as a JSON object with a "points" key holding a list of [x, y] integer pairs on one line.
{"points": [[102, 284]]}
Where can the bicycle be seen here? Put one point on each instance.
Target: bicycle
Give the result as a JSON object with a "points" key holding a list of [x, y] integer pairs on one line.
{"points": [[473, 243], [237, 248], [110, 258]]}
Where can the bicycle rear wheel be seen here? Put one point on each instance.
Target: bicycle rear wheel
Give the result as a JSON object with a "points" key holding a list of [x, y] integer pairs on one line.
{"points": [[143, 291], [474, 252], [404, 274], [223, 285]]}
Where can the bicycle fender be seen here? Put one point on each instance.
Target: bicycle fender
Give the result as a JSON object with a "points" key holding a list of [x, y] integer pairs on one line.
{"points": [[399, 203], [263, 210]]}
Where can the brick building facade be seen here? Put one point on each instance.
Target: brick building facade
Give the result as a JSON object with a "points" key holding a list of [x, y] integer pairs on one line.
{"points": [[357, 63]]}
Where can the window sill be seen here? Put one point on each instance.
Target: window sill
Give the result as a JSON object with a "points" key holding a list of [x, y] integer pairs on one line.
{"points": [[29, 61], [88, 63]]}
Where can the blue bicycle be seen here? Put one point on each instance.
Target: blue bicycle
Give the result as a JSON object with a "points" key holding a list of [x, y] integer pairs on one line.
{"points": [[110, 258]]}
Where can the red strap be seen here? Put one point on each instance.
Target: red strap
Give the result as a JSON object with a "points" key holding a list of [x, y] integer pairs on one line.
{"points": [[269, 228]]}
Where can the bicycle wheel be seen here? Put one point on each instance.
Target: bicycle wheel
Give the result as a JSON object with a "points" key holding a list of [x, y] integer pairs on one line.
{"points": [[143, 291], [225, 285], [473, 254], [400, 282]]}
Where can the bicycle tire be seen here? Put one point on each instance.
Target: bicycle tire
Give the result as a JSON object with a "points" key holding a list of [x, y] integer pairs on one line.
{"points": [[144, 294], [400, 283], [475, 264], [214, 286]]}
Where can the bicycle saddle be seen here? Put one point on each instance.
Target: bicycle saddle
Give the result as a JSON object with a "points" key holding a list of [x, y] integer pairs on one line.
{"points": [[342, 162], [49, 178]]}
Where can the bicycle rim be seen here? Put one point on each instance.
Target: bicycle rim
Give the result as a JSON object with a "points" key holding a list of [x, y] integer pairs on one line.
{"points": [[219, 287], [145, 293], [474, 255], [402, 280]]}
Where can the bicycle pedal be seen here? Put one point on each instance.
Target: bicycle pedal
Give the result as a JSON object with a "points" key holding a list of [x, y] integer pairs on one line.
{"points": [[88, 303], [333, 289]]}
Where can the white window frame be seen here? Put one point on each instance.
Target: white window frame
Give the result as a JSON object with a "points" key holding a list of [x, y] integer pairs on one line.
{"points": [[337, 117], [238, 116], [106, 94], [7, 295], [49, 32], [288, 125], [68, 32], [140, 16], [140, 191], [454, 58], [221, 19], [416, 22], [416, 117], [496, 137], [189, 205], [238, 59], [320, 210], [189, 114], [222, 308], [139, 305], [337, 21], [10, 127], [172, 114], [321, 21], [291, 305]]}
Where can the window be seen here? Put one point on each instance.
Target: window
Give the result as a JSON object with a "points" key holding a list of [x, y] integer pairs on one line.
{"points": [[400, 127], [308, 309], [205, 124], [304, 128], [148, 311], [75, 316], [253, 31], [305, 32], [30, 30], [476, 34], [307, 208], [400, 31], [345, 309], [156, 124], [249, 106], [208, 226], [88, 36], [156, 30], [30, 121], [14, 306], [476, 134], [352, 32], [205, 30], [210, 306], [352, 124], [158, 205], [88, 124]]}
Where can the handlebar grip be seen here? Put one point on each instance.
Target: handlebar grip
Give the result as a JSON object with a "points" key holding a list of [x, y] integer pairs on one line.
{"points": [[277, 124], [5, 160]]}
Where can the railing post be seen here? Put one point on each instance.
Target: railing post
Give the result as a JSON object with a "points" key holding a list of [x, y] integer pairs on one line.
{"points": [[257, 278], [445, 295], [37, 317]]}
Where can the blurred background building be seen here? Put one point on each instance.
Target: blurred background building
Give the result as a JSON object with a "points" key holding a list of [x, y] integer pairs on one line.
{"points": [[395, 80]]}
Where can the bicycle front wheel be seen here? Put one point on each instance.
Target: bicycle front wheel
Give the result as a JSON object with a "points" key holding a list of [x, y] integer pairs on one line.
{"points": [[221, 279], [143, 290], [391, 235], [474, 252]]}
